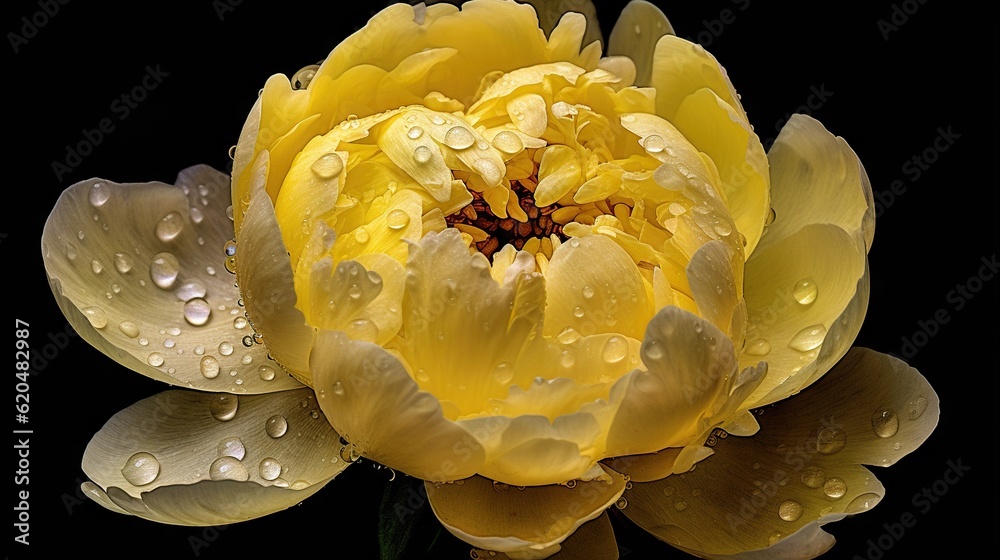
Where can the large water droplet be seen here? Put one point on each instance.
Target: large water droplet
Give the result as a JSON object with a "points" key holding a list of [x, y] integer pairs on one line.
{"points": [[835, 487], [169, 227], [578, 311], [422, 154], [864, 502], [266, 373], [830, 440], [758, 347], [232, 447], [96, 266], [414, 132], [228, 468], [615, 350], [141, 468], [569, 335], [224, 407], [654, 144], [808, 338], [99, 194], [155, 359], [190, 290], [163, 270], [916, 407], [805, 291], [276, 426], [123, 262], [225, 348], [197, 311], [790, 510], [361, 235], [328, 166], [210, 367], [652, 350], [503, 373], [508, 142], [97, 317], [885, 423], [269, 469], [129, 329], [813, 477], [459, 138], [397, 219], [588, 292]]}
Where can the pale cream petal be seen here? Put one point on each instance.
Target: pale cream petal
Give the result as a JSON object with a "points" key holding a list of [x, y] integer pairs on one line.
{"points": [[796, 291], [189, 458], [646, 467], [714, 287], [801, 470], [609, 298], [267, 282], [374, 403], [522, 523], [146, 282], [681, 68], [817, 179], [550, 12], [593, 539], [639, 27]]}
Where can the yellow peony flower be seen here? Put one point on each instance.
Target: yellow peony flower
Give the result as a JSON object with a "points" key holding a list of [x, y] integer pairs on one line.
{"points": [[472, 249]]}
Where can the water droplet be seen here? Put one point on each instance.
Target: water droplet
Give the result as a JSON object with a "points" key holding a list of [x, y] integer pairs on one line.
{"points": [[354, 291], [459, 138], [567, 359], [99, 194], [224, 407], [269, 469], [437, 119], [190, 290], [758, 347], [805, 291], [209, 367], [885, 423], [163, 270], [722, 228], [508, 142], [668, 491], [503, 373], [864, 502], [97, 317], [835, 488], [361, 235], [622, 503], [129, 329], [423, 376], [414, 132], [680, 505], [588, 292], [652, 350], [654, 144], [578, 311], [500, 486], [266, 373], [328, 166], [197, 311], [813, 477], [276, 426], [569, 335], [155, 359], [338, 388], [615, 350], [808, 338], [169, 227], [422, 154], [96, 266], [397, 219], [916, 407], [228, 468], [225, 349], [831, 440], [141, 468], [232, 447], [790, 510], [123, 263]]}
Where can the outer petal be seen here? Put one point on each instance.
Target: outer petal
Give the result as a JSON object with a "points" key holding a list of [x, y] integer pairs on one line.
{"points": [[817, 179], [267, 282], [189, 458], [635, 34], [139, 270], [593, 539], [372, 400], [803, 469], [523, 523]]}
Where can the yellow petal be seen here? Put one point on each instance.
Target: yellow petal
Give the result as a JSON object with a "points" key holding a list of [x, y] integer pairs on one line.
{"points": [[806, 460], [715, 289], [146, 283], [639, 27], [681, 68], [189, 458], [373, 402], [593, 539], [551, 12], [523, 523]]}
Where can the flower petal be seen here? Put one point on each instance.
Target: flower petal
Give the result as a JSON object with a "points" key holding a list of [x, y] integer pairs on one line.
{"points": [[801, 470], [593, 539], [817, 179], [797, 291], [523, 523], [139, 270], [374, 403], [550, 12], [639, 27], [189, 458]]}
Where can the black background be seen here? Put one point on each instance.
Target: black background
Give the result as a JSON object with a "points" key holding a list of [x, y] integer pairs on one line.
{"points": [[889, 98]]}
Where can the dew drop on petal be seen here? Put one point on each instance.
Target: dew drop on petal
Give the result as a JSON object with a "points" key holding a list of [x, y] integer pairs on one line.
{"points": [[567, 358], [99, 194], [141, 468], [338, 388], [232, 447], [835, 487], [459, 138], [864, 502], [123, 263], [164, 269], [414, 132], [503, 373], [569, 335], [615, 350], [228, 468], [652, 350], [758, 347], [578, 311], [223, 407], [169, 227], [276, 426], [885, 423], [830, 440], [422, 154], [805, 291], [97, 317], [916, 407], [808, 338], [588, 292], [790, 510], [197, 311], [622, 503], [266, 373], [361, 235], [209, 367], [397, 219], [96, 266], [155, 359], [328, 166], [225, 349], [129, 329], [654, 144], [508, 142], [813, 477], [190, 290], [269, 468]]}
